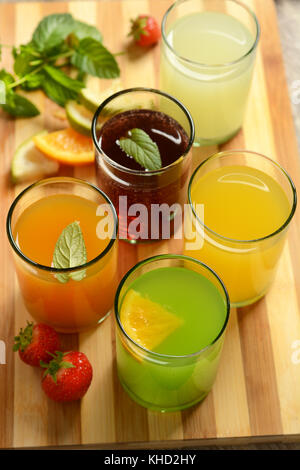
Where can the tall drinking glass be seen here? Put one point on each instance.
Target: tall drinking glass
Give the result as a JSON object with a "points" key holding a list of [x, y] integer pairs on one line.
{"points": [[207, 61]]}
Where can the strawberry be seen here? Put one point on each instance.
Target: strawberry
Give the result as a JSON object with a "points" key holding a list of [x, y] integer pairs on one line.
{"points": [[145, 30], [67, 376], [35, 343]]}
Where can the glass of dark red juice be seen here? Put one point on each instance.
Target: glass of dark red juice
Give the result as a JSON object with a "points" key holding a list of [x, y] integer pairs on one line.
{"points": [[143, 139]]}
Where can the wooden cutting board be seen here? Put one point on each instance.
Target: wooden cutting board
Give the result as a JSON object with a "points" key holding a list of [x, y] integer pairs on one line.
{"points": [[257, 392]]}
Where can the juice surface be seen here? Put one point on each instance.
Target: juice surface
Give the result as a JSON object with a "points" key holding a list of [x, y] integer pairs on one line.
{"points": [[192, 298], [40, 225], [225, 38], [167, 133], [241, 203]]}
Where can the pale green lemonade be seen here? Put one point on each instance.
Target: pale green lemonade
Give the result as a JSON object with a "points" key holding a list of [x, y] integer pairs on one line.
{"points": [[207, 63]]}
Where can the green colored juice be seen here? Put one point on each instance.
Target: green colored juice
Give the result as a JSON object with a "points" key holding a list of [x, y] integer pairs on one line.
{"points": [[181, 369]]}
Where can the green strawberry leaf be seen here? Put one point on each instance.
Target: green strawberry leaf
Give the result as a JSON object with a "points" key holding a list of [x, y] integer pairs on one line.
{"points": [[24, 338], [55, 365]]}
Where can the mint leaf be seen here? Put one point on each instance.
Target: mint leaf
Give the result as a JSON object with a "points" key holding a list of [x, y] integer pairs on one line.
{"points": [[6, 77], [69, 252], [93, 58], [33, 82], [85, 30], [52, 31], [2, 92], [19, 106], [24, 57], [57, 93], [14, 104], [142, 148], [60, 77], [59, 87]]}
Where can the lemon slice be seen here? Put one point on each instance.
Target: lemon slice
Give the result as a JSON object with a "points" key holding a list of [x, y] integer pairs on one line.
{"points": [[29, 163], [147, 323]]}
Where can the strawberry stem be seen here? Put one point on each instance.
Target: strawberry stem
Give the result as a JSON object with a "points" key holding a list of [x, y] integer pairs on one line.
{"points": [[24, 338], [55, 365], [138, 28]]}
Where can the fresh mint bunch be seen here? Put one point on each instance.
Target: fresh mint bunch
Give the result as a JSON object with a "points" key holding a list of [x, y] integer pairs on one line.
{"points": [[59, 45]]}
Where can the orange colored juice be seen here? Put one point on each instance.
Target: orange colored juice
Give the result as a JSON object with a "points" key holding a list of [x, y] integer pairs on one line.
{"points": [[76, 304]]}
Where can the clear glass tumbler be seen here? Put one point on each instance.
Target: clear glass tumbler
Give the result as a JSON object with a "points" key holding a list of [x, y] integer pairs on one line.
{"points": [[170, 382], [86, 298], [207, 60], [247, 265], [147, 201]]}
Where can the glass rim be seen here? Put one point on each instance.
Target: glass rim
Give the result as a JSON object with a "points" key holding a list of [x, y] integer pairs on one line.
{"points": [[59, 179], [273, 162], [147, 90], [204, 65], [179, 257]]}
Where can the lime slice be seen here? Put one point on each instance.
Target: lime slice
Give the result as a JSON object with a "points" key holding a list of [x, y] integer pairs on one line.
{"points": [[92, 100], [29, 163], [79, 117]]}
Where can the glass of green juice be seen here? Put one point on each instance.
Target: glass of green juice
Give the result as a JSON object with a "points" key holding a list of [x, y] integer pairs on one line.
{"points": [[207, 60], [171, 315], [249, 201]]}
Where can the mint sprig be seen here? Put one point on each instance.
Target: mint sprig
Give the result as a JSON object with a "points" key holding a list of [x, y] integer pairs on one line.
{"points": [[59, 45], [69, 252], [139, 145]]}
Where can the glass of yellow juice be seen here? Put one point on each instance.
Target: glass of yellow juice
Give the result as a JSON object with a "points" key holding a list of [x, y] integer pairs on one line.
{"points": [[207, 61], [63, 234], [240, 206]]}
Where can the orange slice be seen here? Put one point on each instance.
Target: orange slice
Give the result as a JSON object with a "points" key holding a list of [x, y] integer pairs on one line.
{"points": [[66, 146], [147, 323]]}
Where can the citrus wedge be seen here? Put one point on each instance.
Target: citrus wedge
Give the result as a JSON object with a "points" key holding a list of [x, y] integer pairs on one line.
{"points": [[79, 117], [92, 100], [66, 146], [29, 163], [124, 102], [146, 322]]}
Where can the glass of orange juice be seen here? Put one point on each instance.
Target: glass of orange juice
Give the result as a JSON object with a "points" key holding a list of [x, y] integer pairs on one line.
{"points": [[63, 234], [240, 206]]}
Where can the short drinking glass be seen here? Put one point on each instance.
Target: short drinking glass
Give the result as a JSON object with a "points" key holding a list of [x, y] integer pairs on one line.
{"points": [[171, 314], [207, 60], [70, 299], [147, 200], [241, 204]]}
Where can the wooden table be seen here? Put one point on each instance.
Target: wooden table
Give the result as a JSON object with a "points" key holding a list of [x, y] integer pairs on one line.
{"points": [[256, 394]]}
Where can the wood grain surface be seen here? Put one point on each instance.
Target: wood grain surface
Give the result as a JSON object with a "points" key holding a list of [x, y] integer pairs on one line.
{"points": [[256, 396]]}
